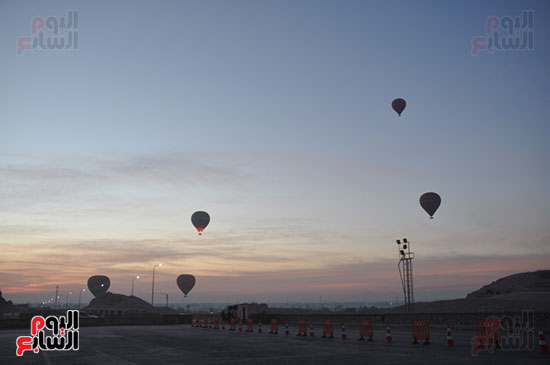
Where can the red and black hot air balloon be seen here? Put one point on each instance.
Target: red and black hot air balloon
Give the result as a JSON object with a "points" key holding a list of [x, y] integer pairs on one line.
{"points": [[200, 220]]}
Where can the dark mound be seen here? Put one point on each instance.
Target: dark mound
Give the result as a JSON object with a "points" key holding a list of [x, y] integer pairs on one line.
{"points": [[514, 293], [533, 282], [6, 306], [118, 302]]}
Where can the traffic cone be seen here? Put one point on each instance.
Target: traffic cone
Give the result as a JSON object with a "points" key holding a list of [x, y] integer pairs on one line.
{"points": [[287, 332], [543, 347], [450, 341], [344, 336], [388, 333], [311, 334], [260, 327]]}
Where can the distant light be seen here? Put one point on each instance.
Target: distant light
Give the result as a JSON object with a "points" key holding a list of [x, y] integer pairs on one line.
{"points": [[137, 277], [160, 265], [398, 242]]}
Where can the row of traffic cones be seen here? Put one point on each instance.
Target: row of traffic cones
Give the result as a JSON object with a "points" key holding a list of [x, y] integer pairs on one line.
{"points": [[543, 347], [312, 333], [389, 339]]}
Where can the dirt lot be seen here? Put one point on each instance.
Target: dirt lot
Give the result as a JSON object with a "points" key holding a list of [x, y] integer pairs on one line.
{"points": [[182, 344]]}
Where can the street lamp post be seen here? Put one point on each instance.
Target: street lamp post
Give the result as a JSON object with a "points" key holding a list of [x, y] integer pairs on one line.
{"points": [[67, 301], [80, 297], [153, 286], [56, 296], [166, 299], [137, 277]]}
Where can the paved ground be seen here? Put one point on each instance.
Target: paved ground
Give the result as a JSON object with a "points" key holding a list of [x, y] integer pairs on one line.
{"points": [[186, 345]]}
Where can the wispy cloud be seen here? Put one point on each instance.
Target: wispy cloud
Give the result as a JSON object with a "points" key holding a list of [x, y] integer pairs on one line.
{"points": [[65, 219], [232, 268]]}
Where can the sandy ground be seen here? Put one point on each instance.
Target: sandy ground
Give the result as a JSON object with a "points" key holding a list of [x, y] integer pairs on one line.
{"points": [[187, 345]]}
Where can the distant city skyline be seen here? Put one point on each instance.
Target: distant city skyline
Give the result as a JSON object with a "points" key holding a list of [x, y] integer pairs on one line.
{"points": [[275, 117]]}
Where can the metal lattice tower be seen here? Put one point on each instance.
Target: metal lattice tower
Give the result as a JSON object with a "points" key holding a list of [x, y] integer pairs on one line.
{"points": [[405, 272]]}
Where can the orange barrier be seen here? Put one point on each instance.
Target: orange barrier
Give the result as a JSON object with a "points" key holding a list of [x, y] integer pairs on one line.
{"points": [[365, 330], [249, 325], [205, 323], [302, 328], [217, 323], [232, 325], [287, 332], [311, 333], [328, 329], [421, 331], [259, 326], [274, 327], [488, 334]]}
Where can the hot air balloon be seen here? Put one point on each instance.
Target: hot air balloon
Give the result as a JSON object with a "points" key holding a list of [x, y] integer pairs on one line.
{"points": [[399, 105], [186, 282], [200, 220], [430, 202], [98, 284]]}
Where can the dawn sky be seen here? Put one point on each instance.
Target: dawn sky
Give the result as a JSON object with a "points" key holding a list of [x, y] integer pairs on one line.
{"points": [[275, 117]]}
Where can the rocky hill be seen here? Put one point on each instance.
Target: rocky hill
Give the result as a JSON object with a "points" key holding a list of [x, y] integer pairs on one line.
{"points": [[514, 293], [526, 282]]}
